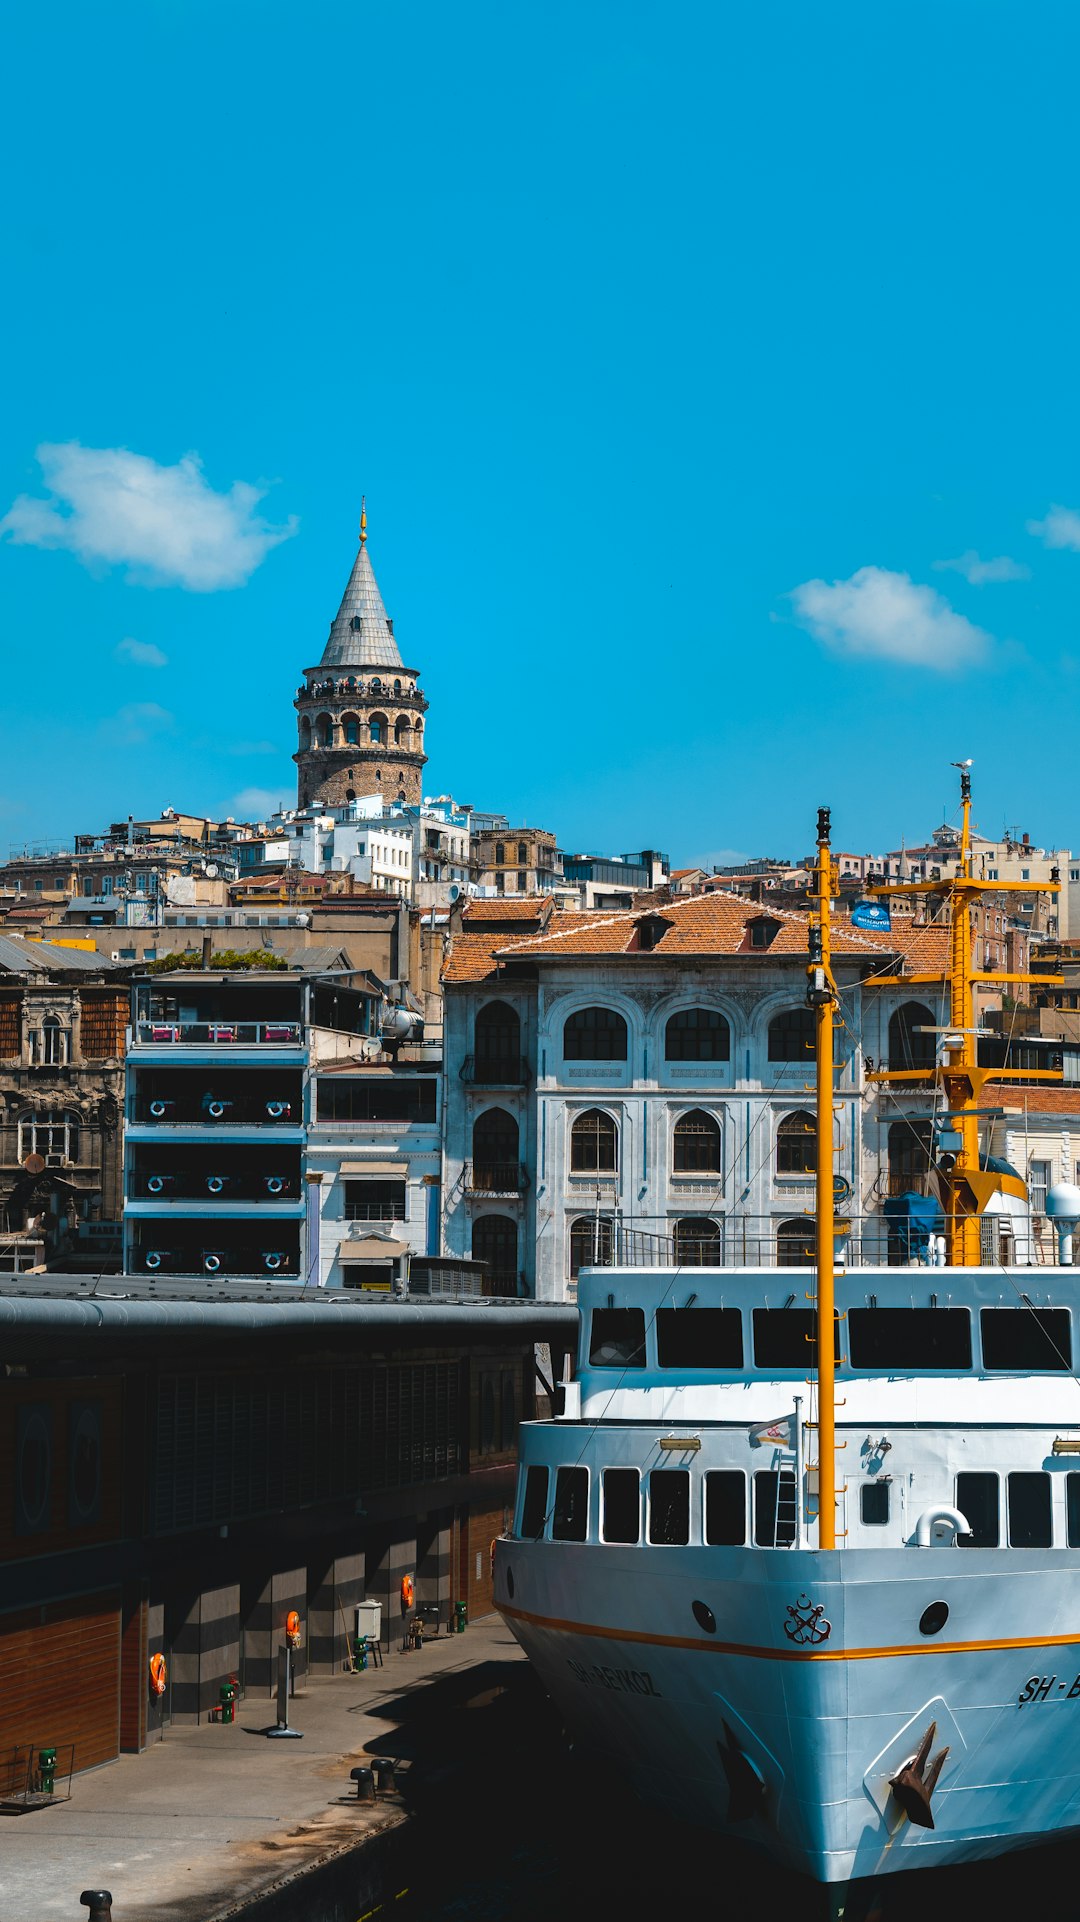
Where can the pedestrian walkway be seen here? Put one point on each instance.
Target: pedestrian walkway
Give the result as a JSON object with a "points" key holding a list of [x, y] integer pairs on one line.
{"points": [[213, 1815]]}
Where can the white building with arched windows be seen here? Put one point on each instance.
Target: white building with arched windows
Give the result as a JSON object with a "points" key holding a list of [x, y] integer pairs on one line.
{"points": [[629, 1082]]}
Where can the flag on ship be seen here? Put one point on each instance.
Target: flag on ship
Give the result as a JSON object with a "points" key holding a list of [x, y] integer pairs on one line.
{"points": [[781, 1431]]}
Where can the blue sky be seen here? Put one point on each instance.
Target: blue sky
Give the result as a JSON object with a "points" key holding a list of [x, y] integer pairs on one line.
{"points": [[707, 369]]}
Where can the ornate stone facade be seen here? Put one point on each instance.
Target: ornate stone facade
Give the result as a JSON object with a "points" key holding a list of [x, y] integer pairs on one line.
{"points": [[361, 711]]}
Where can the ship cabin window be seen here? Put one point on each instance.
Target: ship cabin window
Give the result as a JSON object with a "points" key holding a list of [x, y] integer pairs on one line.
{"points": [[725, 1508], [896, 1338], [622, 1505], [699, 1338], [534, 1504], [786, 1338], [618, 1338], [1072, 1509], [669, 1507], [1029, 1510], [977, 1498], [570, 1520], [874, 1504], [1026, 1338], [775, 1500]]}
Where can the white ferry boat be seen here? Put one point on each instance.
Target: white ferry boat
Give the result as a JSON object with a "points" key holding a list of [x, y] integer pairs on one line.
{"points": [[838, 1617]]}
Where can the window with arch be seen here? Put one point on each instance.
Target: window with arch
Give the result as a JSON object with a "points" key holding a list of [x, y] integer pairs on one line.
{"points": [[397, 687], [594, 1143], [498, 1037], [495, 1155], [350, 724], [592, 1243], [49, 1043], [376, 684], [324, 730], [53, 1135], [911, 1155], [908, 1048], [401, 729], [500, 853], [697, 1034], [792, 1036], [796, 1144], [495, 1241], [699, 1242], [696, 1144], [595, 1034], [378, 729], [305, 732], [795, 1243]]}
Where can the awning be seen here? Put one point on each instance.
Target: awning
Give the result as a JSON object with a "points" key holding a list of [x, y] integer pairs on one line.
{"points": [[374, 1167], [372, 1248]]}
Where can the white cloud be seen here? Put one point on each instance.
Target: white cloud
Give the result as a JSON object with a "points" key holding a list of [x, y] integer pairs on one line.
{"points": [[1061, 528], [135, 724], [166, 524], [888, 617], [140, 653], [980, 572], [255, 803]]}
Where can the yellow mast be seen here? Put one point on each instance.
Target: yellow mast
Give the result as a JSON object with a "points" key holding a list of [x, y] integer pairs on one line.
{"points": [[821, 996], [969, 1187]]}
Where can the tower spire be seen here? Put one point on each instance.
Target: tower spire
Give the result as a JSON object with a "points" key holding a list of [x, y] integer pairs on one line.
{"points": [[363, 520]]}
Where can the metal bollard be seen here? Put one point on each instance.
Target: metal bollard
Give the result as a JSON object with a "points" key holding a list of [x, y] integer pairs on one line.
{"points": [[365, 1784], [99, 1903], [384, 1766]]}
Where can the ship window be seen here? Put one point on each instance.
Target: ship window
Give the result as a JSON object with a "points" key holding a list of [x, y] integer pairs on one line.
{"points": [[618, 1338], [977, 1499], [534, 1504], [699, 1338], [910, 1337], [1024, 1338], [1072, 1509], [570, 1522], [725, 1508], [622, 1505], [874, 1504], [669, 1507], [1029, 1510], [785, 1338], [775, 1497]]}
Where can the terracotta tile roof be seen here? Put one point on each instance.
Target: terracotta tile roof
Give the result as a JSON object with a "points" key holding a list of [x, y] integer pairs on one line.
{"points": [[518, 907], [925, 950], [716, 923]]}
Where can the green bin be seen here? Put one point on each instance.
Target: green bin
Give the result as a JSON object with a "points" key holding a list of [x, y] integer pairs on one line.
{"points": [[47, 1770], [461, 1617]]}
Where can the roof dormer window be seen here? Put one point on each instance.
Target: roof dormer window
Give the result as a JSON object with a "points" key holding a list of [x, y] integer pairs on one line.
{"points": [[763, 931]]}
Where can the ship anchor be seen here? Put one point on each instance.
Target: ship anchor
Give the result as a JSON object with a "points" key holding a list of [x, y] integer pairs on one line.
{"points": [[912, 1788]]}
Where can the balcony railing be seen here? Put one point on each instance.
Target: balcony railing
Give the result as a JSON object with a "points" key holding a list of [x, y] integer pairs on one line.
{"points": [[478, 1071], [237, 1034], [758, 1241], [495, 1178]]}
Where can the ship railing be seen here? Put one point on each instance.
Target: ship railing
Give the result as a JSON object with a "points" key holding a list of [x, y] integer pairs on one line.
{"points": [[719, 1240]]}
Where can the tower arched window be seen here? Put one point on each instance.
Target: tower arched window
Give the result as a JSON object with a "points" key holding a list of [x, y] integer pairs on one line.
{"points": [[397, 687], [305, 733], [791, 1036], [592, 1243], [594, 1143], [697, 1034], [401, 729], [324, 730], [376, 684], [379, 730], [908, 1048], [595, 1034], [696, 1144], [698, 1242], [351, 728], [796, 1144]]}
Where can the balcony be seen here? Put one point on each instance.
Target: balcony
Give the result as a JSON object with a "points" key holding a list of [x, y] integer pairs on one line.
{"points": [[480, 1072], [223, 1034], [505, 1178]]}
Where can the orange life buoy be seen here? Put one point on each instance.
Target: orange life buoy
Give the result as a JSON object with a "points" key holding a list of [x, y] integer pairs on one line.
{"points": [[159, 1674], [292, 1628], [408, 1592]]}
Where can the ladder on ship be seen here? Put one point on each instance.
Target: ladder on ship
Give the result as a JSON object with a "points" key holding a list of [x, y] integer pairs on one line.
{"points": [[785, 1509]]}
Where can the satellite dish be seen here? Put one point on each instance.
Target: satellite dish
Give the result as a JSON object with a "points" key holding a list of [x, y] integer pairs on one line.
{"points": [[34, 1164], [211, 871]]}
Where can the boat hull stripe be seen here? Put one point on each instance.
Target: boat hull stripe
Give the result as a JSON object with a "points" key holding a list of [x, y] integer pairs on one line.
{"points": [[713, 1647]]}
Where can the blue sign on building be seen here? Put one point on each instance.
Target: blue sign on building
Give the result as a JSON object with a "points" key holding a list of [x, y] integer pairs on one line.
{"points": [[871, 914]]}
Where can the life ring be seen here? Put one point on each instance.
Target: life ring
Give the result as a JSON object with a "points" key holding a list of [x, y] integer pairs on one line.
{"points": [[273, 1262], [155, 1184], [159, 1674], [216, 1109], [275, 1109], [408, 1593], [292, 1628], [274, 1184], [157, 1109], [153, 1259], [211, 1263], [215, 1183]]}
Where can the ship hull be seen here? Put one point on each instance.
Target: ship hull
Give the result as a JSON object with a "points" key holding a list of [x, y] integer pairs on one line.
{"points": [[785, 1722]]}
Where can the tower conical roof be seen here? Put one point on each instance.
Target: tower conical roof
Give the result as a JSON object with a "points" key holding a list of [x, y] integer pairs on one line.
{"points": [[360, 635]]}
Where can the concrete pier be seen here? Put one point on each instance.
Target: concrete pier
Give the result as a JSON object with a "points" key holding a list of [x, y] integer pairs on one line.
{"points": [[212, 1819]]}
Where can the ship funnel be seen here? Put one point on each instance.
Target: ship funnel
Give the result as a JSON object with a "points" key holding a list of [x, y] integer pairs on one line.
{"points": [[1063, 1209]]}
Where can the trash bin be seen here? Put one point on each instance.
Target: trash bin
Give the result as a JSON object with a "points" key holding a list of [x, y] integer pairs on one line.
{"points": [[227, 1695], [369, 1620], [461, 1617], [47, 1770]]}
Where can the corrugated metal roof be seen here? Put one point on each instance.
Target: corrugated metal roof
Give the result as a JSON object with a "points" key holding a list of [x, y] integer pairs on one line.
{"points": [[46, 957], [360, 635]]}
